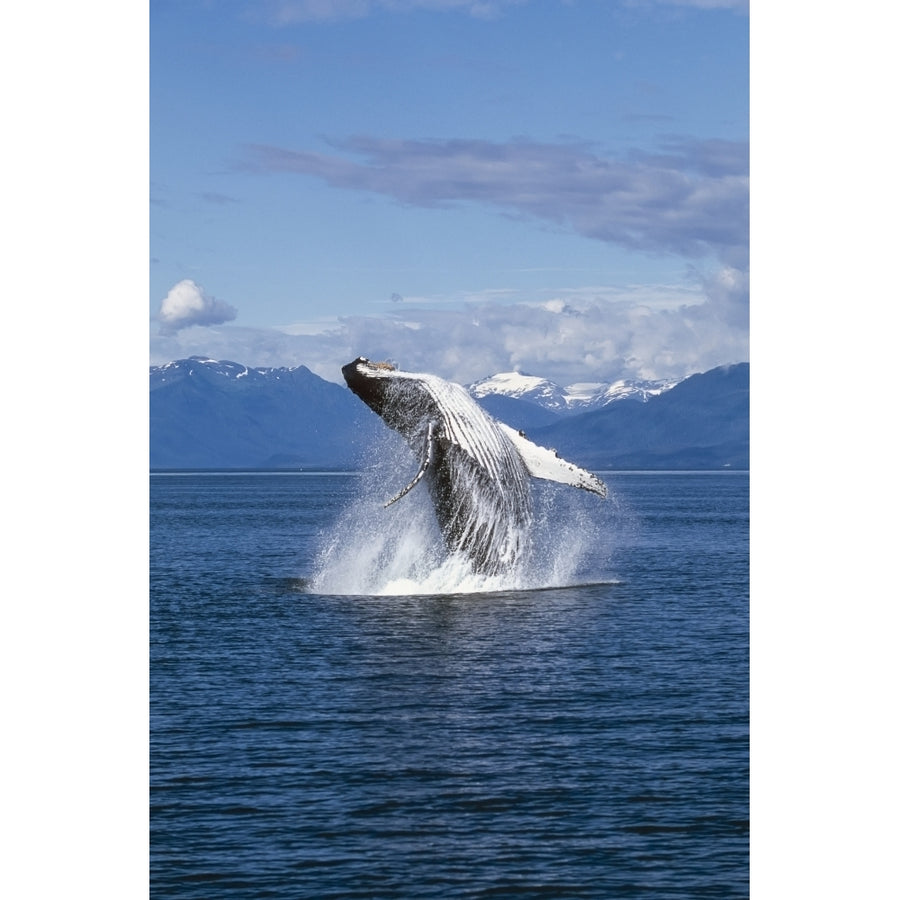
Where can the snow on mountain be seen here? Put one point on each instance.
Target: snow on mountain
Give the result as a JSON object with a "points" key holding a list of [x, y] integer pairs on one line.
{"points": [[522, 387], [579, 397], [205, 366]]}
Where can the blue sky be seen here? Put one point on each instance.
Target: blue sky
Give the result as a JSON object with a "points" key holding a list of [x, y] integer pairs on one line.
{"points": [[464, 187]]}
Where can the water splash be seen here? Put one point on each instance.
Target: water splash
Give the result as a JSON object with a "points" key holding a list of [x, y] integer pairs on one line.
{"points": [[375, 551]]}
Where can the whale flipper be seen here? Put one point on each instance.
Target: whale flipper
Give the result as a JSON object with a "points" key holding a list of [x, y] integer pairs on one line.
{"points": [[426, 462], [544, 463]]}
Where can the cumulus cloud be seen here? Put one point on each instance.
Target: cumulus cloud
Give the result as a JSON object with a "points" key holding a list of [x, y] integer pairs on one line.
{"points": [[690, 199], [188, 304], [572, 337]]}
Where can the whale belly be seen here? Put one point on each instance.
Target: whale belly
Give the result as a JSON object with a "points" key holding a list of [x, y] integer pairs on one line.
{"points": [[485, 517]]}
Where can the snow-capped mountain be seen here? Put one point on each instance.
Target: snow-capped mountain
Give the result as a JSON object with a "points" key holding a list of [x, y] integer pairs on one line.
{"points": [[575, 398], [206, 413], [208, 368], [521, 387]]}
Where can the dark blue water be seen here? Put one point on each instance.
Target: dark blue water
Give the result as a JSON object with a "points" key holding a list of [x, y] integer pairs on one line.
{"points": [[587, 741]]}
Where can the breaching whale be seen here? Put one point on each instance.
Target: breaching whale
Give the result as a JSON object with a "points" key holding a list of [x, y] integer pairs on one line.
{"points": [[477, 470]]}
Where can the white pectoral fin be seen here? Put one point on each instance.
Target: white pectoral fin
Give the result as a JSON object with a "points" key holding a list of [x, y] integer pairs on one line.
{"points": [[426, 462], [544, 463]]}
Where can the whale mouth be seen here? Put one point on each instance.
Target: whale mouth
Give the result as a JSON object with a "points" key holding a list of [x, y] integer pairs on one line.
{"points": [[362, 363], [365, 370]]}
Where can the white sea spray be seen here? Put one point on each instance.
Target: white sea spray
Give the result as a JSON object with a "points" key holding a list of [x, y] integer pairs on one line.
{"points": [[372, 550]]}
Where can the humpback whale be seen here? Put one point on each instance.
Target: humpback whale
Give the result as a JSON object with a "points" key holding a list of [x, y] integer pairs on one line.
{"points": [[477, 470]]}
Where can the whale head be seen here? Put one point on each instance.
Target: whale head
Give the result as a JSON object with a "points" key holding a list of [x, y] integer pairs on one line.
{"points": [[395, 396], [367, 379]]}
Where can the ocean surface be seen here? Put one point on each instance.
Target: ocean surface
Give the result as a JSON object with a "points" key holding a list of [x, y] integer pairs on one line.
{"points": [[336, 711]]}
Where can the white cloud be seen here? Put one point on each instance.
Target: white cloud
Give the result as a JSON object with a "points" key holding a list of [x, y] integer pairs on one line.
{"points": [[188, 304], [574, 337]]}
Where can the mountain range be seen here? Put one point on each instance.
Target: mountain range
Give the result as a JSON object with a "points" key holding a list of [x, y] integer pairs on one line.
{"points": [[574, 398], [207, 414], [527, 401]]}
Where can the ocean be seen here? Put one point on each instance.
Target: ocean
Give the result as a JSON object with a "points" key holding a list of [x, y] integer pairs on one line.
{"points": [[337, 712]]}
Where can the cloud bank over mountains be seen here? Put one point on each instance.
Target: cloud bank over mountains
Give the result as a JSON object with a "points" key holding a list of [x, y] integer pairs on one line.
{"points": [[566, 339]]}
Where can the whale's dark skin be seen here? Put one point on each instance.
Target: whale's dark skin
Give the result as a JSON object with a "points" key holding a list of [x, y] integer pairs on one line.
{"points": [[474, 467]]}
